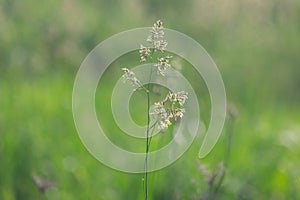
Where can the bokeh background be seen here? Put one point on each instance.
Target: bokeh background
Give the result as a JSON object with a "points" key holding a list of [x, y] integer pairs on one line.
{"points": [[255, 44]]}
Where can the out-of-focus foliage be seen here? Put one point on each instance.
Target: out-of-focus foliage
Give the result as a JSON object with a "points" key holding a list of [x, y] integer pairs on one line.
{"points": [[255, 44]]}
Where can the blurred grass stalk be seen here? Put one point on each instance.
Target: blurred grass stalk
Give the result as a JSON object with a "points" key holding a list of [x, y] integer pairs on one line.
{"points": [[215, 179]]}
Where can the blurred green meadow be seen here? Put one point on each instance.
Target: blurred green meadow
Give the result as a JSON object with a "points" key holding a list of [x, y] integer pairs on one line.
{"points": [[255, 44]]}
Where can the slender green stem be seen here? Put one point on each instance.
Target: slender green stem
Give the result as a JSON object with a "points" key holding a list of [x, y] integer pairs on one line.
{"points": [[148, 139], [147, 146]]}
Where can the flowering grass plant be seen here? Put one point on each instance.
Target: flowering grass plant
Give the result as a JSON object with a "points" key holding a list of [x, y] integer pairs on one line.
{"points": [[170, 109]]}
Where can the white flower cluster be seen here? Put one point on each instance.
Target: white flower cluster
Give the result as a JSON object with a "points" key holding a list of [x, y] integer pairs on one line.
{"points": [[156, 36], [163, 64], [145, 53], [162, 114], [165, 113], [171, 108], [179, 97], [158, 44], [130, 76]]}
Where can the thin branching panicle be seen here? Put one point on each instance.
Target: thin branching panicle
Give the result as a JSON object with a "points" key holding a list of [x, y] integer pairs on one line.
{"points": [[170, 109]]}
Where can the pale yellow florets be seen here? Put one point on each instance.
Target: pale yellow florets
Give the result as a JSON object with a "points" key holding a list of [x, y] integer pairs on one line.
{"points": [[156, 36], [130, 76], [171, 108], [165, 114], [163, 64], [145, 53]]}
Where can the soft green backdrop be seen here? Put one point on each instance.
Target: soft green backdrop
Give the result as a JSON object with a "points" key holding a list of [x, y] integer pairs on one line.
{"points": [[255, 44]]}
